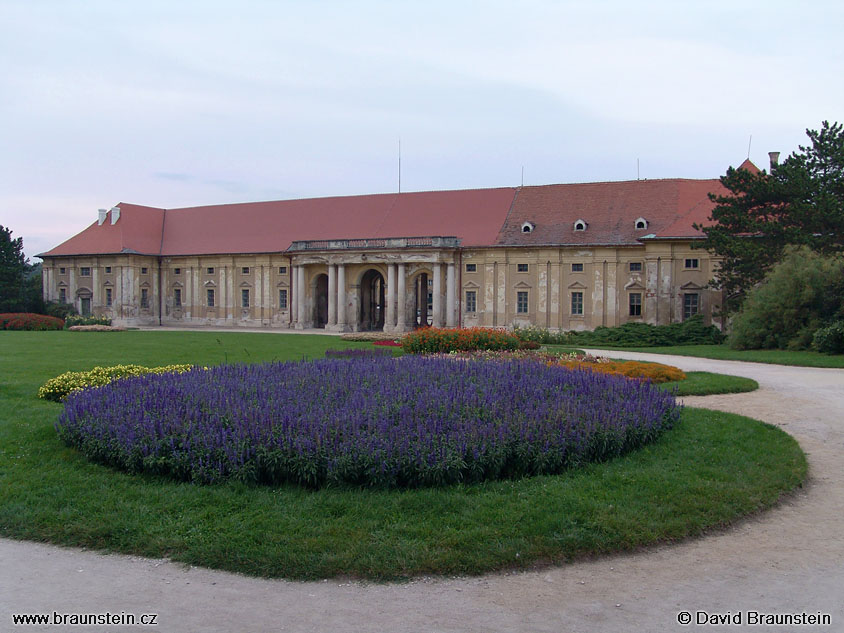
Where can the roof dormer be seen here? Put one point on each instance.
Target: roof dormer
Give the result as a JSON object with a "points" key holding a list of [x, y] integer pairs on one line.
{"points": [[527, 227], [580, 225]]}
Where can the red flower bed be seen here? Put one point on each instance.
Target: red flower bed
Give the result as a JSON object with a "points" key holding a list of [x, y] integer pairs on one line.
{"points": [[27, 321], [387, 343], [443, 340]]}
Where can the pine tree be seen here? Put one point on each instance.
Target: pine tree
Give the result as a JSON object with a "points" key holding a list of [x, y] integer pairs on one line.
{"points": [[801, 202], [13, 265]]}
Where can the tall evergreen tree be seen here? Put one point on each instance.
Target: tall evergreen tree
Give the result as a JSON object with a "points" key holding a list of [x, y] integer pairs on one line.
{"points": [[801, 202], [13, 265]]}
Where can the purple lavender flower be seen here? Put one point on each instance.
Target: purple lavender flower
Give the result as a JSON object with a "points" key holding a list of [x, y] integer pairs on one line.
{"points": [[371, 421]]}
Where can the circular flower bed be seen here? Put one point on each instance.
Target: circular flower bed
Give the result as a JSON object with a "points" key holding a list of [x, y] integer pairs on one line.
{"points": [[370, 421]]}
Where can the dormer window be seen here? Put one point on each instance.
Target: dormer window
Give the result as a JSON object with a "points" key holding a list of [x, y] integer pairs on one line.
{"points": [[641, 224], [580, 225], [527, 227]]}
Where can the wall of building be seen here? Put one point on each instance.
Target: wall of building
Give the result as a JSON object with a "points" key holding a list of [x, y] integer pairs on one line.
{"points": [[509, 286]]}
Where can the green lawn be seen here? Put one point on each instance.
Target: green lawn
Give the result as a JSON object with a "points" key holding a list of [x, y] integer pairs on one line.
{"points": [[711, 470], [704, 383], [723, 352]]}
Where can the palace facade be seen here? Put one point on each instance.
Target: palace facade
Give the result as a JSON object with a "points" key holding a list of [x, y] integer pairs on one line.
{"points": [[570, 256]]}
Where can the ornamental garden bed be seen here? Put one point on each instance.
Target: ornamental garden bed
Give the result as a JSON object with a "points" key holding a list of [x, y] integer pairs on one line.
{"points": [[370, 421], [709, 470]]}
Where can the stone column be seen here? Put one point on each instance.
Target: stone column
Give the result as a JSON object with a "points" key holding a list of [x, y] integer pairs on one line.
{"points": [[96, 301], [450, 296], [390, 318], [437, 307], [341, 297], [332, 296], [401, 317], [300, 297]]}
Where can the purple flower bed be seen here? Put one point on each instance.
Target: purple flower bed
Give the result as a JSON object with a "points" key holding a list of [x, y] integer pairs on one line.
{"points": [[413, 421], [358, 353]]}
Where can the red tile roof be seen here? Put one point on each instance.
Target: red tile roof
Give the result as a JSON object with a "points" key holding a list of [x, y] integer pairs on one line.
{"points": [[475, 216], [138, 230], [610, 210], [479, 217]]}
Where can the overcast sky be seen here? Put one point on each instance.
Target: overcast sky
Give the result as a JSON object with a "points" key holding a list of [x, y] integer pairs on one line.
{"points": [[183, 103]]}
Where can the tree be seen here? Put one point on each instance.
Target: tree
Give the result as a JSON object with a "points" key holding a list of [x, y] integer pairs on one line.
{"points": [[13, 266], [801, 294], [801, 202]]}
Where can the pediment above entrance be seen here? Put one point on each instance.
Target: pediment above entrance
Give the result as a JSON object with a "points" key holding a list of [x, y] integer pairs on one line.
{"points": [[577, 286]]}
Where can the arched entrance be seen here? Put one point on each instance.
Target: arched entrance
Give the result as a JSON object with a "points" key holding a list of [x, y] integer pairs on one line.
{"points": [[320, 301], [422, 287], [372, 301]]}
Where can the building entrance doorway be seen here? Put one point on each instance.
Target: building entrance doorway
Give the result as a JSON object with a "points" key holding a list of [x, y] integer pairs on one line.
{"points": [[372, 301], [424, 300], [321, 301]]}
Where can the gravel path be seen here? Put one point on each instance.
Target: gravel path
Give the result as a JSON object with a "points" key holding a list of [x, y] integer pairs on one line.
{"points": [[788, 560]]}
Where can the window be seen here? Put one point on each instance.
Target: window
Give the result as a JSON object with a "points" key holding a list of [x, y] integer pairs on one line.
{"points": [[108, 270], [85, 271], [282, 270], [641, 224], [693, 264], [635, 267], [62, 295], [209, 270], [471, 268], [62, 270], [282, 299], [577, 268], [177, 271], [144, 298], [244, 298], [580, 225], [108, 297], [177, 297], [244, 270], [577, 303], [522, 268], [522, 302], [209, 297], [635, 304], [691, 305], [527, 227], [144, 270], [472, 301]]}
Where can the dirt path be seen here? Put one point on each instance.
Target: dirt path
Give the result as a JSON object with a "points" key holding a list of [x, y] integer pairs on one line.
{"points": [[788, 560]]}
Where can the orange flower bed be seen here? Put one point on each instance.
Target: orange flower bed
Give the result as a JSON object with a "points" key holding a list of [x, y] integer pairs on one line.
{"points": [[655, 372]]}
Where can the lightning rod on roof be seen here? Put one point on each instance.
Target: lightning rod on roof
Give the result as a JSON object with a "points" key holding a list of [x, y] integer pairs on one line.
{"points": [[637, 169], [399, 164], [523, 175], [748, 146]]}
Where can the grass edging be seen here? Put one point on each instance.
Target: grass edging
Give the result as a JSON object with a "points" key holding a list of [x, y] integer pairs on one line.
{"points": [[724, 352], [704, 383], [712, 470]]}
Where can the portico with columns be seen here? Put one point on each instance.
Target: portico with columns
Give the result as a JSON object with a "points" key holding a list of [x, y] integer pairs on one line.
{"points": [[392, 285]]}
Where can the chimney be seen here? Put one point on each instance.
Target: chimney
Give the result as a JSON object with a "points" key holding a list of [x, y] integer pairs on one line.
{"points": [[775, 158], [102, 217], [115, 214]]}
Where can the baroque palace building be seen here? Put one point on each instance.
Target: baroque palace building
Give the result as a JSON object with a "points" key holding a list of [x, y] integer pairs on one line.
{"points": [[569, 257]]}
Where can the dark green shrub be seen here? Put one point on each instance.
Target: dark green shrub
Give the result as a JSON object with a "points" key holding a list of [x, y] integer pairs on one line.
{"points": [[830, 339], [59, 310], [801, 294], [692, 331]]}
